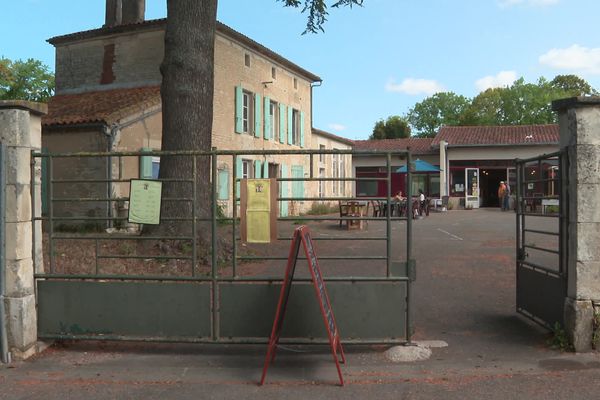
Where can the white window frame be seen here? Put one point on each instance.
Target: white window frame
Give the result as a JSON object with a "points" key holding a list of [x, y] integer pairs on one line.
{"points": [[248, 112], [155, 161], [342, 174], [274, 115], [295, 127], [247, 169], [321, 183], [334, 172]]}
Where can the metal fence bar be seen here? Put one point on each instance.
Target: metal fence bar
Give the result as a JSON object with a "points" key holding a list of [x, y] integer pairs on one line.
{"points": [[50, 215], [409, 215], [194, 220], [542, 232], [214, 272], [234, 213], [388, 222]]}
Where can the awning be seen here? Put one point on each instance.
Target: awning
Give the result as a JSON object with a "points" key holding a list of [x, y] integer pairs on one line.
{"points": [[419, 166]]}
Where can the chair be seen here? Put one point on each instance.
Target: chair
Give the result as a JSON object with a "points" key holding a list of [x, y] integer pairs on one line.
{"points": [[354, 210], [376, 208], [445, 200], [343, 211]]}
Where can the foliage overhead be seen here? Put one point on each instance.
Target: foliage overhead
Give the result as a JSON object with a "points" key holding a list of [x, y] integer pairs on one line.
{"points": [[394, 127], [317, 11], [521, 103], [25, 80], [444, 108]]}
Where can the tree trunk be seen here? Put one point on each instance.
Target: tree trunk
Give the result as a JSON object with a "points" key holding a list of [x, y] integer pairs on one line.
{"points": [[187, 107]]}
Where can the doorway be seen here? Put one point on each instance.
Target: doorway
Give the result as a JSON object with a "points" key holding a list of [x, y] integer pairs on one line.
{"points": [[489, 181]]}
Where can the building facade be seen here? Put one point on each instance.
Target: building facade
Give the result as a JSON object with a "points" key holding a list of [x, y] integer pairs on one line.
{"points": [[472, 162], [108, 99]]}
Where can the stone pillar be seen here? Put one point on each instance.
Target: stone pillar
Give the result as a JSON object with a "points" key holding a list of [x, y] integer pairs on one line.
{"points": [[444, 169], [579, 120], [20, 131]]}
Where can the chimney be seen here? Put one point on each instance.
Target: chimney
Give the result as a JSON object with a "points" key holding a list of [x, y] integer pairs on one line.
{"points": [[122, 12], [133, 11], [113, 13]]}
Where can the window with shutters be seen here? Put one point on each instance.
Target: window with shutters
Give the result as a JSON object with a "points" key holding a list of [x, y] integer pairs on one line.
{"points": [[295, 127], [247, 112], [155, 167], [321, 183], [334, 172], [274, 116], [247, 169], [342, 174]]}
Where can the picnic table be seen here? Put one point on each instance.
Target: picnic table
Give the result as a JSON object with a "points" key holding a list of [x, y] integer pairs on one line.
{"points": [[352, 208]]}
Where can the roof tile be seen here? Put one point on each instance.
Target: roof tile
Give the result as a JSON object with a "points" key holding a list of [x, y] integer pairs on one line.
{"points": [[497, 135], [107, 106], [416, 145]]}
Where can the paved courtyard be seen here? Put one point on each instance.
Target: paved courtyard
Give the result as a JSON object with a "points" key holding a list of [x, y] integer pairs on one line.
{"points": [[464, 295]]}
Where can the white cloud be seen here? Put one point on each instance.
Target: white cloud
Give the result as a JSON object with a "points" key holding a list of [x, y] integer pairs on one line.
{"points": [[337, 127], [575, 58], [414, 86], [535, 3], [501, 79]]}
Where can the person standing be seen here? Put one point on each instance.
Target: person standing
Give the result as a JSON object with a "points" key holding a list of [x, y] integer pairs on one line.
{"points": [[501, 194], [506, 196]]}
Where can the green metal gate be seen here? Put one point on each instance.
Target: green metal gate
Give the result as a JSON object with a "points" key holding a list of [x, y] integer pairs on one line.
{"points": [[101, 279], [542, 221]]}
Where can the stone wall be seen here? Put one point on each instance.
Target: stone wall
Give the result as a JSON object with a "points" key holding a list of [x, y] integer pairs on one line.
{"points": [[20, 131]]}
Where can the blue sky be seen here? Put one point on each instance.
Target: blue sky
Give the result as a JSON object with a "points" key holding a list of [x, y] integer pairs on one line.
{"points": [[377, 60]]}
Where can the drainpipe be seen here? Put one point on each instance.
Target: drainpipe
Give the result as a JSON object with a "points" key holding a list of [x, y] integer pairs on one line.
{"points": [[4, 353], [313, 85], [111, 134]]}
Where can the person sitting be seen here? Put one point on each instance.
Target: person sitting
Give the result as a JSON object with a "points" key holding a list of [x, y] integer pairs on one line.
{"points": [[398, 197]]}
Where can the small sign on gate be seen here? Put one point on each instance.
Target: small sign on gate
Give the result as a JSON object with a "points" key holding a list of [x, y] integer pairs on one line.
{"points": [[144, 201]]}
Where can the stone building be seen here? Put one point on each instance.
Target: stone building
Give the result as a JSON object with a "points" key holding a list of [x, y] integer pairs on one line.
{"points": [[108, 99]]}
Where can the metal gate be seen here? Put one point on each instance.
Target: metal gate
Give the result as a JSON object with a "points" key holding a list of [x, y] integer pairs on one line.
{"points": [[542, 221], [121, 289]]}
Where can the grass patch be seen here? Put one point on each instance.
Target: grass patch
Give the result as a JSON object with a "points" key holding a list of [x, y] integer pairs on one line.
{"points": [[559, 339]]}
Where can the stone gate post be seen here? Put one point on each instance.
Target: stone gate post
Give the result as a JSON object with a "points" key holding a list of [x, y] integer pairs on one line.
{"points": [[579, 120], [20, 131]]}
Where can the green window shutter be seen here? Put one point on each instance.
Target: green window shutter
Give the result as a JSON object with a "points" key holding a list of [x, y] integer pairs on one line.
{"points": [[257, 169], [267, 118], [301, 128], [282, 123], [257, 115], [239, 109], [297, 186], [265, 170], [283, 192], [146, 165], [223, 182], [238, 174], [290, 117]]}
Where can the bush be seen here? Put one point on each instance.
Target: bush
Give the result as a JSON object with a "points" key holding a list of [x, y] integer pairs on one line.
{"points": [[321, 209]]}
